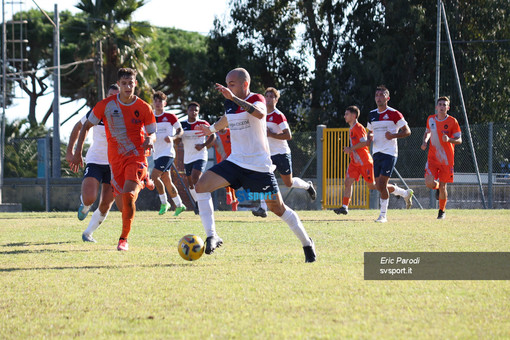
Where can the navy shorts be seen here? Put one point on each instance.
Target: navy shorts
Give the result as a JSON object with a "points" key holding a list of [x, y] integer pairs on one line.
{"points": [[283, 163], [383, 164], [163, 163], [100, 172], [199, 165], [254, 181]]}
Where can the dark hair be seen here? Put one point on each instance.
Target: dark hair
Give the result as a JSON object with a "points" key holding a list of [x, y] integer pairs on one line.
{"points": [[384, 89], [194, 104], [353, 109], [126, 72], [159, 95], [114, 87]]}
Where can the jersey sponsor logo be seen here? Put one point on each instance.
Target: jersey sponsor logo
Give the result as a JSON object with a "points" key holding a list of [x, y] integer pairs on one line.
{"points": [[136, 121], [386, 116], [240, 125], [446, 126], [137, 114]]}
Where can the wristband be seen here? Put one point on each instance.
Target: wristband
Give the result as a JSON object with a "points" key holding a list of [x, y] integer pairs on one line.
{"points": [[212, 129]]}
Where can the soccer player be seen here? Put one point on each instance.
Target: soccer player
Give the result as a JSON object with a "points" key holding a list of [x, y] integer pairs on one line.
{"points": [[222, 148], [386, 125], [168, 129], [249, 165], [361, 163], [195, 147], [130, 131], [96, 172], [444, 133], [278, 133]]}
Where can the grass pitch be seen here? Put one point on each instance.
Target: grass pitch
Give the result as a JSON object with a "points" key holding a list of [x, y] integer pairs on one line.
{"points": [[256, 286]]}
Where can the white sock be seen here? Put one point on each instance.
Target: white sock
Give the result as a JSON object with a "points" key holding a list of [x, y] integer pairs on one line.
{"points": [[292, 219], [86, 208], [299, 183], [177, 201], [384, 206], [95, 221], [163, 199], [399, 191], [263, 204], [193, 194], [205, 207]]}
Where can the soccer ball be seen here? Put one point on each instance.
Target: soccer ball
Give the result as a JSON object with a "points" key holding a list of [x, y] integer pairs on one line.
{"points": [[191, 247]]}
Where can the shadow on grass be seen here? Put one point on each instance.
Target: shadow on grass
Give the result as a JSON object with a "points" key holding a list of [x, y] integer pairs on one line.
{"points": [[169, 265], [38, 251], [30, 244]]}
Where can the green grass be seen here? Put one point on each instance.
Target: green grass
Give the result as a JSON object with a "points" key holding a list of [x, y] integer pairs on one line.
{"points": [[256, 286]]}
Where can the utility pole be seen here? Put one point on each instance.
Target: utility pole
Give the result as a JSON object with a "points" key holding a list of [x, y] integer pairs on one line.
{"points": [[56, 100]]}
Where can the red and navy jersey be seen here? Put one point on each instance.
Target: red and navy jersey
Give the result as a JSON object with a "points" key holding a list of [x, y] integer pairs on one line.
{"points": [[190, 139], [381, 122]]}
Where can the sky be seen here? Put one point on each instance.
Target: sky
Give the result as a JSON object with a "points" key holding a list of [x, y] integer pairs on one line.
{"points": [[189, 15]]}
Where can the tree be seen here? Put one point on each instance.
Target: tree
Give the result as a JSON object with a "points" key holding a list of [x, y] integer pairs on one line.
{"points": [[110, 23]]}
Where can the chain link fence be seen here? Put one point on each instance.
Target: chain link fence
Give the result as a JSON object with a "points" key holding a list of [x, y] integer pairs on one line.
{"points": [[29, 158]]}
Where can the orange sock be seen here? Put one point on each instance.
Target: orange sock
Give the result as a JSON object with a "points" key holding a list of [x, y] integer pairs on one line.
{"points": [[442, 204], [234, 197], [128, 213], [346, 201]]}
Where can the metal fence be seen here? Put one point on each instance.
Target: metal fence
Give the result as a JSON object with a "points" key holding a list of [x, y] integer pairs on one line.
{"points": [[30, 157]]}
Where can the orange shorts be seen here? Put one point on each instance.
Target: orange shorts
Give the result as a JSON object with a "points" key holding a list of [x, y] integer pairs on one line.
{"points": [[133, 168], [441, 172], [367, 171]]}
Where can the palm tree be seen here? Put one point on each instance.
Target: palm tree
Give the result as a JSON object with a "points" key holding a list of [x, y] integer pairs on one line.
{"points": [[110, 23]]}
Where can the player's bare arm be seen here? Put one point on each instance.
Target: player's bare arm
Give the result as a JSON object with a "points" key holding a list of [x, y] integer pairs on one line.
{"points": [[248, 107], [77, 160], [426, 137], [285, 135], [221, 124], [210, 140], [178, 134], [404, 132], [349, 149], [454, 140], [148, 143], [72, 141]]}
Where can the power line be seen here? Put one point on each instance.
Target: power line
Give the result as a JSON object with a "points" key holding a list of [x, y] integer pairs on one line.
{"points": [[50, 68]]}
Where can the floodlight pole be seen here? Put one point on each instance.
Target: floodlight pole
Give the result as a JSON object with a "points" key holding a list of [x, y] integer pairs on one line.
{"points": [[459, 89], [56, 100], [4, 95]]}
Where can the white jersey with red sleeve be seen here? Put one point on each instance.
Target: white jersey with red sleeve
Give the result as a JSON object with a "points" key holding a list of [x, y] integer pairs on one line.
{"points": [[190, 139], [98, 150], [379, 123], [276, 123], [166, 125], [248, 135]]}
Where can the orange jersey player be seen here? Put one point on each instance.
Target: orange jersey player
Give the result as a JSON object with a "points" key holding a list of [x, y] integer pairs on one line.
{"points": [[444, 133], [361, 163], [130, 132]]}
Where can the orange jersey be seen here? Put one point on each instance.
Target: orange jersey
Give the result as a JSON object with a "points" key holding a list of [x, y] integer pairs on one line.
{"points": [[224, 139], [124, 125], [442, 152], [361, 156]]}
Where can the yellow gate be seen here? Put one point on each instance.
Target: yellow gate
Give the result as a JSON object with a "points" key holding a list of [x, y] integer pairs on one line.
{"points": [[335, 163]]}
